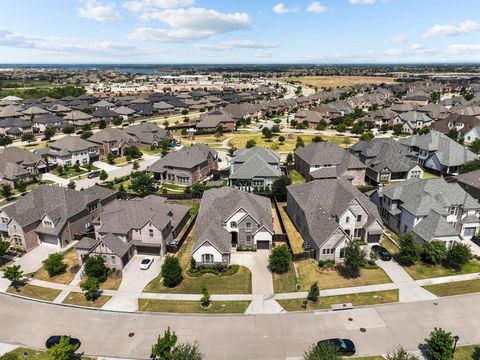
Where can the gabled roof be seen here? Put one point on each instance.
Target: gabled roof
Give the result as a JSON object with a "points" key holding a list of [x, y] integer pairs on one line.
{"points": [[110, 135], [186, 158], [434, 226], [71, 143], [147, 132]]}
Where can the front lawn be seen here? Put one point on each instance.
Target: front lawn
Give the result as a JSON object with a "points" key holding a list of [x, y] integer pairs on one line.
{"points": [[78, 298], [285, 283], [454, 288], [113, 281], [471, 352], [218, 307], [69, 172], [70, 259], [389, 245], [309, 272], [294, 236], [421, 271], [359, 299], [35, 292], [31, 354]]}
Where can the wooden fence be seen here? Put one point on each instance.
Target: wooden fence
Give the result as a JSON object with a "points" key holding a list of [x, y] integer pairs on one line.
{"points": [[173, 248]]}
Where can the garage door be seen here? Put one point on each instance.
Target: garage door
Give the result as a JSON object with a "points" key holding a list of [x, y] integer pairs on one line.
{"points": [[263, 245], [49, 239], [148, 250]]}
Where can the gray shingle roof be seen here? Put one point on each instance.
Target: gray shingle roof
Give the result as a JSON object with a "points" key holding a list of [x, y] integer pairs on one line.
{"points": [[186, 158], [255, 162]]}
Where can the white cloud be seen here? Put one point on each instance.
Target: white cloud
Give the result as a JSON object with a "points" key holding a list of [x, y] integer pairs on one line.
{"points": [[145, 5], [281, 9], [264, 55], [99, 12], [237, 44], [365, 2], [400, 39], [461, 49], [417, 46], [465, 27], [316, 7]]}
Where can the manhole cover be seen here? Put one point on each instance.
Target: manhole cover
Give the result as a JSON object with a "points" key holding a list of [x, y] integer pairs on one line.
{"points": [[350, 319], [131, 334], [363, 330]]}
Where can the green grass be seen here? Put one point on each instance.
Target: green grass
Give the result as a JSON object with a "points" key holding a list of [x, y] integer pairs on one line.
{"points": [[471, 352], [284, 283], [389, 245], [359, 299], [70, 259], [296, 178], [69, 172], [36, 292], [427, 175], [218, 307], [34, 145], [78, 298], [421, 271], [31, 354], [454, 288]]}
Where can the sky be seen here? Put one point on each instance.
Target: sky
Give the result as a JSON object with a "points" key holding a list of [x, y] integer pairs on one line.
{"points": [[239, 31]]}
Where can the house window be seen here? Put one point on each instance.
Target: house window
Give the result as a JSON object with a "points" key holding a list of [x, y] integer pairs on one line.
{"points": [[359, 218], [248, 226], [357, 233], [248, 239], [453, 210], [347, 219], [150, 232], [342, 252], [114, 260], [92, 207], [233, 224], [207, 258], [17, 240], [4, 220]]}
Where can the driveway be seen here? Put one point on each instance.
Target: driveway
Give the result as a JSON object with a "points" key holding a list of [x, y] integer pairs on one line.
{"points": [[257, 263], [104, 166], [32, 260], [56, 179], [134, 281]]}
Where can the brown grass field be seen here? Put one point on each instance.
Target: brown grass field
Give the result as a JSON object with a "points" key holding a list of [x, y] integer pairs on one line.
{"points": [[339, 81]]}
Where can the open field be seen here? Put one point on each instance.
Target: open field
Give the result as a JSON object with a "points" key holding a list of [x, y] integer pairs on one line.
{"points": [[219, 307], [339, 81]]}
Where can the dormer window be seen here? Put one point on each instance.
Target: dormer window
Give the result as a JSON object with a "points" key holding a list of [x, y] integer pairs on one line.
{"points": [[47, 223], [233, 224], [92, 207]]}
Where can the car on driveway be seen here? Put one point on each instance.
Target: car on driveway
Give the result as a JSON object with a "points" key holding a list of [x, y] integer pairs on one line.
{"points": [[146, 262], [93, 174], [383, 253], [55, 339], [345, 347]]}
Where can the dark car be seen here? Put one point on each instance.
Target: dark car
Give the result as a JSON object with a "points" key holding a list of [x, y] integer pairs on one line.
{"points": [[383, 253], [55, 339], [93, 174], [345, 346]]}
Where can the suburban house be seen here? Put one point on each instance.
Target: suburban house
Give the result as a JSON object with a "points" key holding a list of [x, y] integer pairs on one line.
{"points": [[112, 140], [69, 150], [133, 227], [437, 152], [50, 121], [470, 182], [311, 117], [19, 165], [228, 218], [215, 119], [185, 166], [254, 168], [412, 121], [466, 125], [386, 160], [327, 160], [330, 212], [148, 133], [429, 209], [52, 215]]}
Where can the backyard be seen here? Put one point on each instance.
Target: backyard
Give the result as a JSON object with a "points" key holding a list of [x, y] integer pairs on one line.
{"points": [[294, 236]]}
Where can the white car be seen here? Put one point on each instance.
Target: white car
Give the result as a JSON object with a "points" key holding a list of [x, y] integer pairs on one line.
{"points": [[146, 262]]}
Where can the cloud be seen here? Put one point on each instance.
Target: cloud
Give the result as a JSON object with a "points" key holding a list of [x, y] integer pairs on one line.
{"points": [[145, 5], [461, 49], [400, 39], [465, 27], [364, 2], [281, 9], [237, 44], [191, 24], [316, 7], [99, 12], [417, 46], [264, 55]]}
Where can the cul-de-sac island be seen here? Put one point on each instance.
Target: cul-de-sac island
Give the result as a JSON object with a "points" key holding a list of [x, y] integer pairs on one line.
{"points": [[189, 179]]}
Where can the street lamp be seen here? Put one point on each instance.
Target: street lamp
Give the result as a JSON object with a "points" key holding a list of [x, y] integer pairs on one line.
{"points": [[456, 337]]}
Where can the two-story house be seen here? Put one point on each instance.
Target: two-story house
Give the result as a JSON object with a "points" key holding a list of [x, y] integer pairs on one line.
{"points": [[412, 121], [466, 126], [133, 227], [327, 160], [253, 168], [70, 150], [429, 209], [230, 218], [112, 140], [52, 215], [19, 165], [148, 133], [185, 166], [328, 213]]}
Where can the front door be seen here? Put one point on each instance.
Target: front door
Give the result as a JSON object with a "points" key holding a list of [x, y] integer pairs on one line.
{"points": [[234, 239]]}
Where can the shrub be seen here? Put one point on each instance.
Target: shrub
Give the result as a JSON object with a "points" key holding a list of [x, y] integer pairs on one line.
{"points": [[400, 354], [322, 351], [440, 345], [280, 259], [433, 252], [63, 350], [90, 288], [313, 293], [458, 255], [326, 264], [250, 144], [95, 268], [409, 252], [205, 300], [54, 264], [171, 272]]}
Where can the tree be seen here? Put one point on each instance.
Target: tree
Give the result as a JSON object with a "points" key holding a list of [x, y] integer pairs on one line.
{"points": [[281, 139], [409, 252], [14, 274], [171, 272], [28, 137], [250, 143], [322, 351], [355, 257], [111, 158], [397, 129], [433, 252], [186, 351], [341, 128], [322, 125], [117, 121], [453, 134], [205, 300], [400, 354], [299, 143], [470, 166], [458, 255], [440, 344], [289, 159], [5, 140], [424, 130], [143, 184], [48, 134], [6, 191], [103, 175], [54, 264], [165, 345], [313, 293], [358, 128], [136, 165], [267, 133], [102, 124], [86, 134], [317, 139], [280, 259], [21, 186], [279, 187], [95, 268], [367, 136], [90, 288], [69, 129], [63, 350], [72, 185], [475, 146], [4, 246]]}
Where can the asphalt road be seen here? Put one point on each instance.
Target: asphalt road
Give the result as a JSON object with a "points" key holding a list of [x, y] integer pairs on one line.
{"points": [[287, 335]]}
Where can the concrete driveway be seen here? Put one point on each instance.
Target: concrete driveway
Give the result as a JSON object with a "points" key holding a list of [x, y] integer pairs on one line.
{"points": [[134, 281], [104, 166], [32, 260], [257, 263]]}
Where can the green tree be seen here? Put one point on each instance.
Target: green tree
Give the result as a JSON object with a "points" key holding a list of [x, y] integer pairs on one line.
{"points": [[367, 136], [433, 252], [69, 129], [86, 134], [322, 351], [72, 185], [103, 175], [322, 125], [400, 354], [281, 139], [28, 137], [63, 350], [132, 152], [313, 293], [250, 143], [186, 351], [48, 134], [355, 257], [453, 134], [475, 146], [280, 260], [111, 158], [54, 264], [341, 128], [470, 166], [21, 186], [135, 165], [143, 184], [4, 246], [6, 191], [424, 130], [299, 143], [165, 345], [317, 139], [117, 121], [5, 140], [171, 272], [458, 255], [102, 124], [95, 268], [358, 128], [90, 288], [205, 300], [289, 159], [397, 129], [440, 345], [14, 274], [267, 133], [409, 252], [279, 187]]}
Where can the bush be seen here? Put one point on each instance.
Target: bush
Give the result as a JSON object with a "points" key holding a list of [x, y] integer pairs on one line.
{"points": [[409, 252], [95, 268], [171, 272], [220, 270], [313, 293], [322, 351], [9, 356], [326, 264], [54, 264], [458, 255], [205, 300], [400, 354], [433, 252], [440, 345], [280, 259], [90, 288]]}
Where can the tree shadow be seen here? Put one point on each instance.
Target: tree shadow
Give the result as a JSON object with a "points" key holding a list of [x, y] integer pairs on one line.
{"points": [[347, 273], [476, 353]]}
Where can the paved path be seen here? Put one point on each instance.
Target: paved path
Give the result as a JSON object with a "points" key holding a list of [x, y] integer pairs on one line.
{"points": [[240, 336], [104, 166], [448, 279]]}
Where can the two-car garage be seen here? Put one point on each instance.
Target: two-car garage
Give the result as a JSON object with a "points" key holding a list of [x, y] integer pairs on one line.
{"points": [[49, 239], [148, 250]]}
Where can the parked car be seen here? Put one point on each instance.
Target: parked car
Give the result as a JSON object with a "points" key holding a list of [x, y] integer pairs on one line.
{"points": [[55, 339], [93, 174], [383, 253], [346, 347], [146, 262]]}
